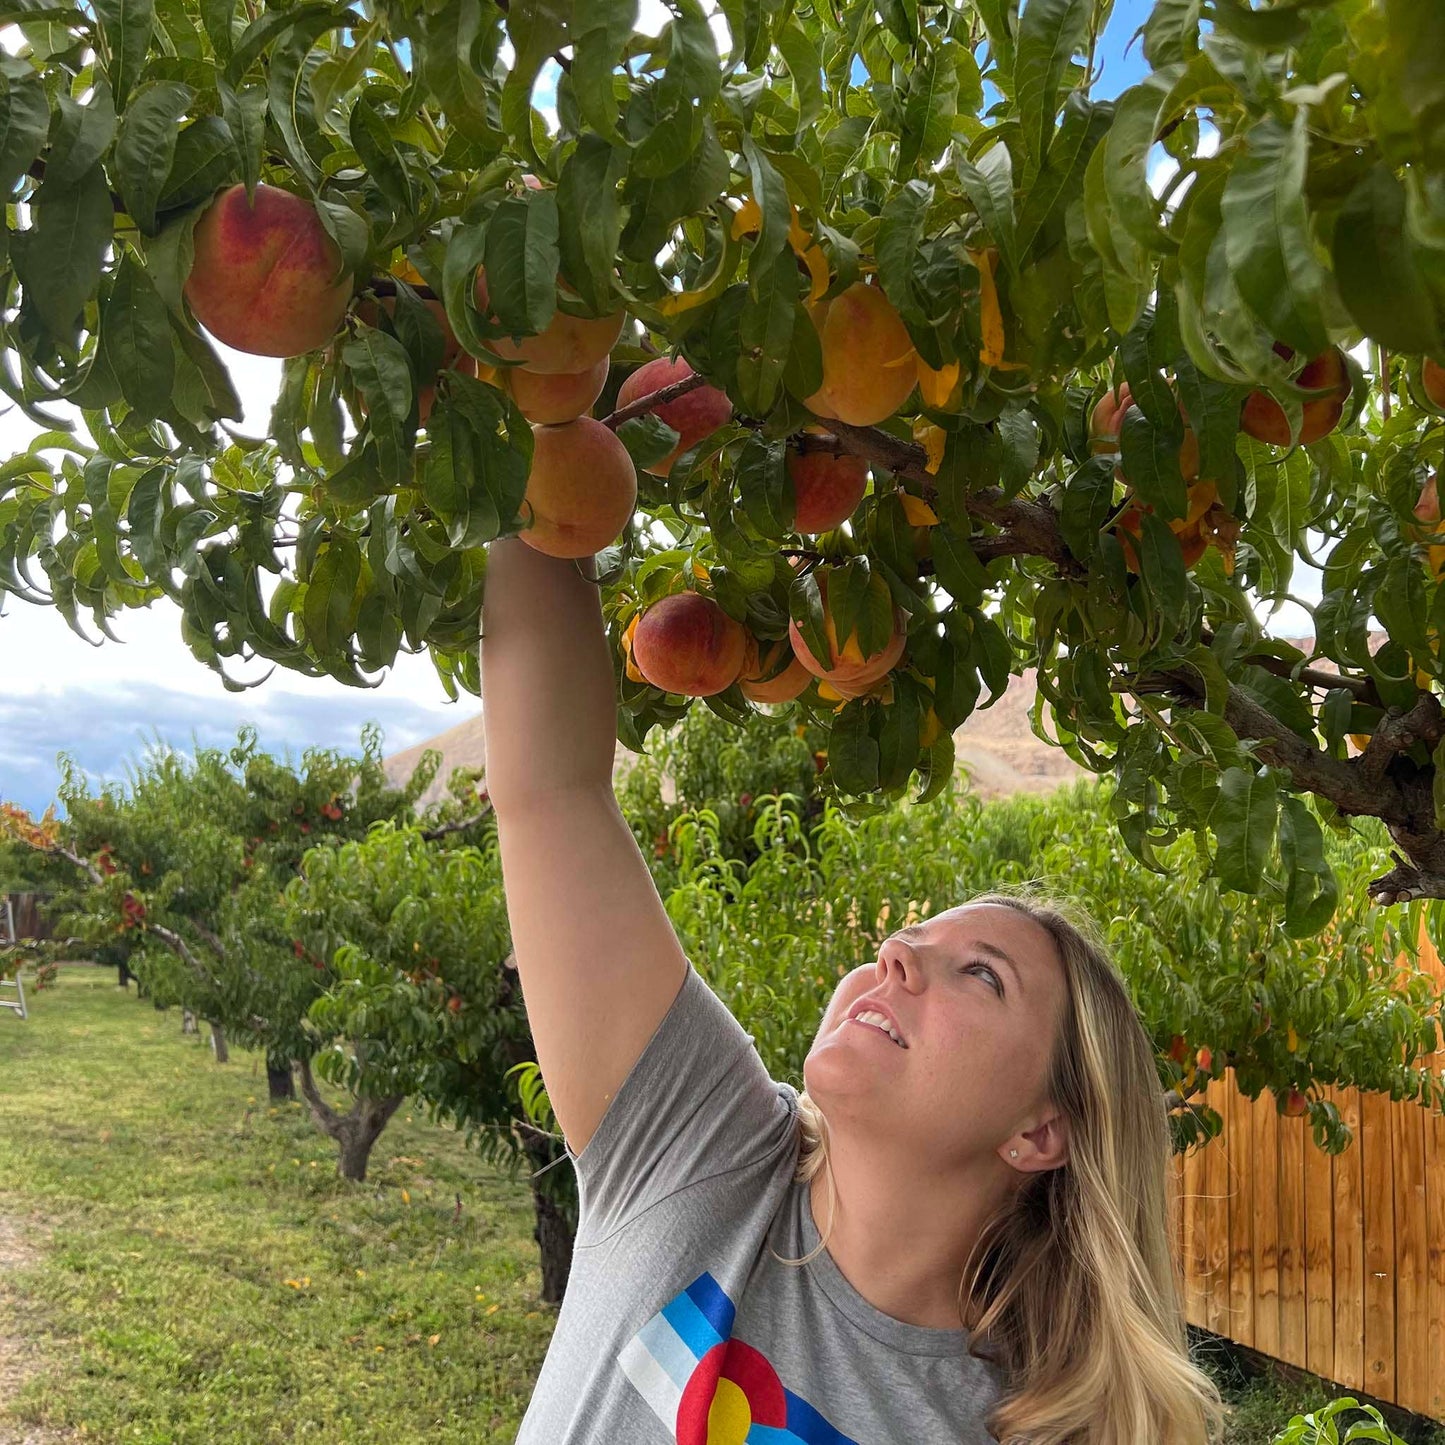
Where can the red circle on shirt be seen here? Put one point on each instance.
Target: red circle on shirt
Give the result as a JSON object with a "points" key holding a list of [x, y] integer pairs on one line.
{"points": [[750, 1371]]}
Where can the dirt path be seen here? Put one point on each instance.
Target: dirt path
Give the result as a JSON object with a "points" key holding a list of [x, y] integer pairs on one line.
{"points": [[20, 1247]]}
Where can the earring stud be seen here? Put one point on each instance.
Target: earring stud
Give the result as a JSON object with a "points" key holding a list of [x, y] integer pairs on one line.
{"points": [[1013, 1153]]}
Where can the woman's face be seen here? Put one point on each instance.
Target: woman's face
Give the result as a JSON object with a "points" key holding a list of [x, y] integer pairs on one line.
{"points": [[977, 994]]}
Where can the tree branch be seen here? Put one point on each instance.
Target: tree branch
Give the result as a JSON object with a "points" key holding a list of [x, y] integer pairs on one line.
{"points": [[657, 398], [460, 825], [322, 1112]]}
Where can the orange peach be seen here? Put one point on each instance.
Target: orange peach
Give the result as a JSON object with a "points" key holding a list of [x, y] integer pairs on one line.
{"points": [[550, 398], [828, 487], [869, 364], [1106, 425], [762, 657], [687, 644], [1432, 380], [265, 277], [693, 415], [581, 490], [566, 344], [847, 670], [1263, 417]]}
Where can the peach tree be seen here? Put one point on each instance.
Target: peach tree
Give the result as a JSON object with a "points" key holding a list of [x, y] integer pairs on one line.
{"points": [[875, 353]]}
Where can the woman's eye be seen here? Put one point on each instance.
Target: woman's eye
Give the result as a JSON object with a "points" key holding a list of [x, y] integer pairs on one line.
{"points": [[997, 982]]}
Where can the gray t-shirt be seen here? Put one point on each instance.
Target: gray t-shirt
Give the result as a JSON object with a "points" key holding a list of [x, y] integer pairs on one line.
{"points": [[679, 1326]]}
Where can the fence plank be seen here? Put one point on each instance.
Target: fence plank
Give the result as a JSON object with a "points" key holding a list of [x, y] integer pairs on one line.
{"points": [[1237, 1135], [1348, 1184], [1377, 1156], [1412, 1365], [1216, 1211], [1319, 1259], [1293, 1326], [1263, 1165], [1435, 1256]]}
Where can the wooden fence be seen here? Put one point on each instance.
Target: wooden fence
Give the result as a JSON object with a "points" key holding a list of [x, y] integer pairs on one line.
{"points": [[29, 921], [1336, 1265]]}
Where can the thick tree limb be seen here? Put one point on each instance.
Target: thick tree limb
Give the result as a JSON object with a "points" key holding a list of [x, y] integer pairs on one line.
{"points": [[443, 830]]}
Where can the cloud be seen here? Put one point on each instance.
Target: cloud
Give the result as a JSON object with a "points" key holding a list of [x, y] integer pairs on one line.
{"points": [[109, 730]]}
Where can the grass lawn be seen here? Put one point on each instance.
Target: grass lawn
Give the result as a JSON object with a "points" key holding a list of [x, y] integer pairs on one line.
{"points": [[179, 1262], [204, 1275]]}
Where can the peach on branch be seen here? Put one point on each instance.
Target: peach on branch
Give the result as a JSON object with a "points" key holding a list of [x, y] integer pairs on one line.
{"points": [[869, 364], [1427, 514], [828, 486], [581, 490], [687, 644], [1106, 426], [1263, 417], [848, 671], [693, 415], [566, 344], [756, 681], [266, 278], [1432, 380], [550, 398]]}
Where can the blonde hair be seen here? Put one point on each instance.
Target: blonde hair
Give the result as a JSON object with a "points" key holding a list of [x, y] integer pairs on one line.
{"points": [[1077, 1275]]}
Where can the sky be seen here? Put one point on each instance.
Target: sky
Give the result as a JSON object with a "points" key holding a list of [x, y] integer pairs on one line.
{"points": [[104, 704]]}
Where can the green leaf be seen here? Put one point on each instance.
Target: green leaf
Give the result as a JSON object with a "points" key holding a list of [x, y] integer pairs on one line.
{"points": [[900, 235], [452, 483], [522, 261], [1377, 269], [898, 744], [135, 331], [1311, 889], [805, 67], [125, 34], [372, 141], [79, 134], [1050, 33], [956, 566], [990, 187], [1125, 161], [217, 16], [149, 130], [771, 194], [1088, 494], [589, 216], [244, 112], [928, 112], [379, 366], [764, 487], [333, 597], [1243, 821], [59, 260], [600, 31], [852, 750], [205, 160], [765, 330], [1150, 460], [1267, 237]]}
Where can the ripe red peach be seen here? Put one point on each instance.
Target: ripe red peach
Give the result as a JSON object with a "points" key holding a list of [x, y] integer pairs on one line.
{"points": [[1432, 380], [828, 487], [266, 278], [687, 644], [1263, 417], [847, 670], [581, 490], [693, 415]]}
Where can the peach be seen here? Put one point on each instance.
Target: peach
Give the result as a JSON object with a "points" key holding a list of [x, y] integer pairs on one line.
{"points": [[869, 364], [828, 487], [1427, 513], [1263, 417], [693, 415], [566, 344], [1106, 425], [265, 275], [550, 398], [1192, 540], [762, 657], [687, 644], [847, 670], [581, 490], [453, 357], [1432, 382]]}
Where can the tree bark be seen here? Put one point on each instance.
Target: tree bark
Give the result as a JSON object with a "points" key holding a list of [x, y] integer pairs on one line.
{"points": [[125, 977], [552, 1231], [280, 1082], [355, 1132], [218, 1044], [188, 1022]]}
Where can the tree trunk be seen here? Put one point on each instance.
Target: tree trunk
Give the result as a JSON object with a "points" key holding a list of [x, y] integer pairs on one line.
{"points": [[355, 1132], [553, 1231], [218, 1044], [125, 977], [279, 1081], [188, 1022]]}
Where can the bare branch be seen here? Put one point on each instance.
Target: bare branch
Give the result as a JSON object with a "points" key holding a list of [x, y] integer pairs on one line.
{"points": [[459, 826], [660, 397]]}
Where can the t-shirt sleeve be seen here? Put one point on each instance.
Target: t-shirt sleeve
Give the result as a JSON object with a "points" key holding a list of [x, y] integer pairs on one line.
{"points": [[697, 1104]]}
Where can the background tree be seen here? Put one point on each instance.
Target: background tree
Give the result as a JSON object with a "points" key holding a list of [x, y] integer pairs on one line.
{"points": [[902, 243]]}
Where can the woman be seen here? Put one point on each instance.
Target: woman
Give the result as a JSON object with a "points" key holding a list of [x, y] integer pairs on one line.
{"points": [[958, 1233]]}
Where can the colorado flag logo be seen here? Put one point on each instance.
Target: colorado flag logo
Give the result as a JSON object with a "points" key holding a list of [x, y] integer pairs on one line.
{"points": [[710, 1389]]}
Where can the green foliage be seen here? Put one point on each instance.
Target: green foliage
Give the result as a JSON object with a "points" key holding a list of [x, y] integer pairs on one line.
{"points": [[715, 179], [775, 936]]}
